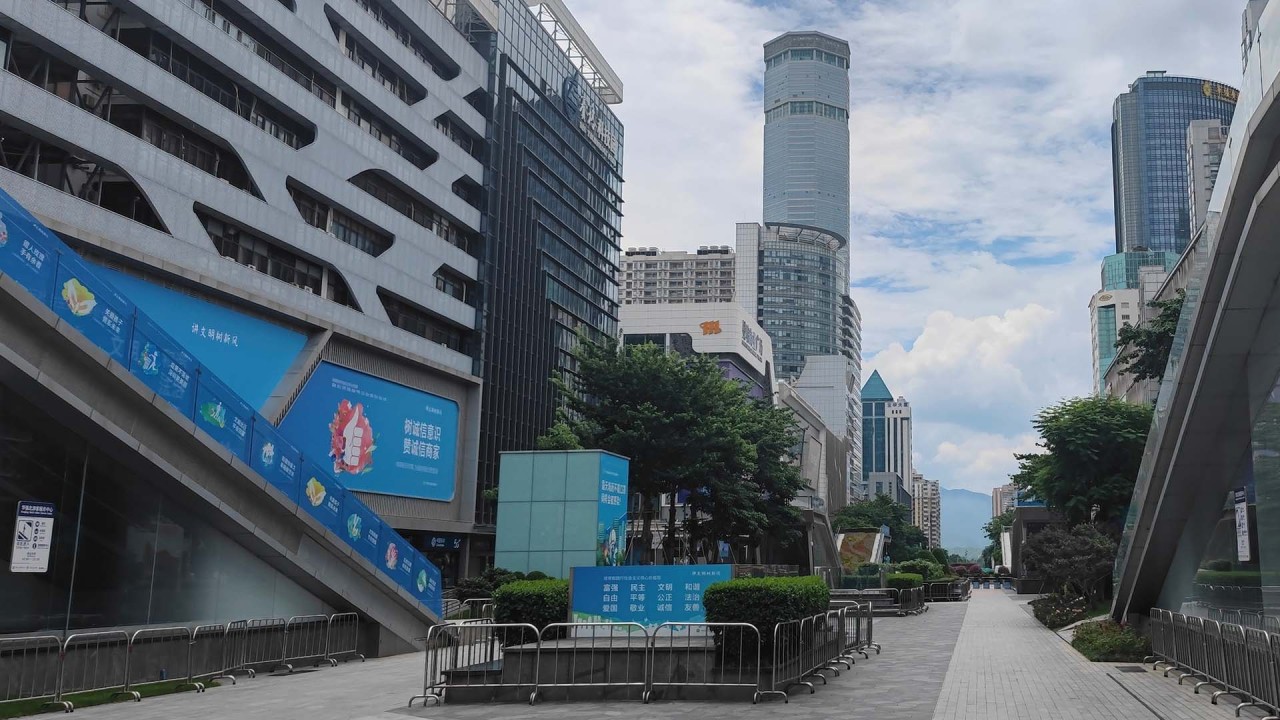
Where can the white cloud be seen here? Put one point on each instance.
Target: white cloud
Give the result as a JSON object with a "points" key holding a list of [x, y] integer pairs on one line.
{"points": [[981, 186]]}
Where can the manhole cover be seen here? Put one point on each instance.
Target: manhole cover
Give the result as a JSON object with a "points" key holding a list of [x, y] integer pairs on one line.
{"points": [[1131, 668]]}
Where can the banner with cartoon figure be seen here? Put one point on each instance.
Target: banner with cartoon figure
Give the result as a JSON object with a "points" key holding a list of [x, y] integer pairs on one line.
{"points": [[322, 497], [276, 459], [611, 515], [165, 368], [378, 436], [93, 306], [363, 528], [222, 414]]}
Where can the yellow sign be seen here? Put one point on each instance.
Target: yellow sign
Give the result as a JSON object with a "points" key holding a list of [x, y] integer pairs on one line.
{"points": [[1220, 92], [710, 327]]}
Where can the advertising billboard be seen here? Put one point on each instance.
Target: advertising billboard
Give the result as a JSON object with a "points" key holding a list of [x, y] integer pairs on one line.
{"points": [[93, 307], [275, 459], [222, 414], [611, 515], [28, 253], [645, 594], [165, 367], [248, 354], [378, 436]]}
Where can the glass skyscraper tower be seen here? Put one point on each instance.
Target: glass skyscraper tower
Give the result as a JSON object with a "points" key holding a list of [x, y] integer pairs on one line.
{"points": [[1149, 157]]}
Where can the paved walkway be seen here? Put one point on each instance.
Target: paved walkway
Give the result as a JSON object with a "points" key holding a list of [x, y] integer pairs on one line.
{"points": [[987, 659]]}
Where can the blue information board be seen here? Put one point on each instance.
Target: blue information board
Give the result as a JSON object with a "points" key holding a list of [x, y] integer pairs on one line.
{"points": [[27, 252], [222, 414], [378, 436], [363, 528], [611, 515], [93, 306], [322, 497], [276, 459], [646, 594], [165, 367]]}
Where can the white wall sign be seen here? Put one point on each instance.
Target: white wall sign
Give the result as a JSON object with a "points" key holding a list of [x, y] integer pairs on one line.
{"points": [[32, 537], [1242, 525]]}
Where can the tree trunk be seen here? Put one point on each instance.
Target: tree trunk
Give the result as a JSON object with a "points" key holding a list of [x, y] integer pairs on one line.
{"points": [[671, 532], [646, 535]]}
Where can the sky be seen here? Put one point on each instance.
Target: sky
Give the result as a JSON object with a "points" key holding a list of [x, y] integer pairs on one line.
{"points": [[981, 176]]}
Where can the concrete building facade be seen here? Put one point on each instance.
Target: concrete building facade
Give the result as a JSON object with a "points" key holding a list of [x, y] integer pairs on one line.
{"points": [[1003, 498], [926, 508], [1206, 141], [886, 436], [650, 276]]}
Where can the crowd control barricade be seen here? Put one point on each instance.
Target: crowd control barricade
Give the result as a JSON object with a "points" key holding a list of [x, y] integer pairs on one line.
{"points": [[475, 608], [94, 661], [1260, 685], [209, 659], [852, 632], [787, 669], [1236, 661], [707, 655], [1181, 647], [29, 668], [343, 638], [1215, 663], [305, 639], [263, 644], [1189, 634], [595, 655], [475, 656], [159, 655], [1161, 654]]}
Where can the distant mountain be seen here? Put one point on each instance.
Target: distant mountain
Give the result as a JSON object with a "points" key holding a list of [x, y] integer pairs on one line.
{"points": [[964, 512]]}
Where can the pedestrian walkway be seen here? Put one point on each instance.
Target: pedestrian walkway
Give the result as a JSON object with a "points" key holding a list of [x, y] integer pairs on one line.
{"points": [[987, 658]]}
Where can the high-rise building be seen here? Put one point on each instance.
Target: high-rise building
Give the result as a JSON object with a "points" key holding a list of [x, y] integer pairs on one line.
{"points": [[926, 508], [886, 433], [1003, 498], [651, 276], [554, 204], [1149, 156], [1206, 142], [1129, 281]]}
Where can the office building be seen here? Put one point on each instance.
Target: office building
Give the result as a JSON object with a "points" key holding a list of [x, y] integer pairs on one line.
{"points": [[1002, 499], [651, 276], [287, 200], [926, 508], [886, 434], [724, 330], [553, 191], [1129, 282], [1149, 156], [1206, 141]]}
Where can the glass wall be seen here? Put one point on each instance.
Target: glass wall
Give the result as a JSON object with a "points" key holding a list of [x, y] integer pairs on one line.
{"points": [[123, 551]]}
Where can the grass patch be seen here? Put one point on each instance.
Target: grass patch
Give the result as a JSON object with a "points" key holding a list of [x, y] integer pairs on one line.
{"points": [[1108, 642], [24, 708]]}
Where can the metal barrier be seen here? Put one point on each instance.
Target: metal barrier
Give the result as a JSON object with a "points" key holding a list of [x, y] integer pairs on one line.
{"points": [[306, 638], [598, 656], [1260, 683], [1236, 663], [1215, 663], [471, 656], [475, 608], [29, 668], [159, 655], [209, 658], [787, 670], [94, 661], [720, 655], [1189, 635], [343, 638], [264, 641], [1161, 653]]}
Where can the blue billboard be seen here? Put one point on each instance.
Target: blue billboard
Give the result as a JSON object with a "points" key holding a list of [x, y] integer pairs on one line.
{"points": [[646, 594], [222, 414], [276, 460], [323, 498], [611, 514], [93, 307], [165, 367], [248, 354], [378, 436], [28, 253], [363, 529]]}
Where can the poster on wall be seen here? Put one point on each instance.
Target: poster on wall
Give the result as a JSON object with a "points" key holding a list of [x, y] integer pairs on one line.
{"points": [[222, 414], [378, 436], [92, 306], [645, 594], [275, 459], [166, 368], [322, 497], [611, 515], [1241, 497], [27, 252], [32, 537]]}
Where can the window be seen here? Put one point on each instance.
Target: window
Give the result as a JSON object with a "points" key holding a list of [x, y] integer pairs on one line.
{"points": [[345, 227], [455, 285], [418, 210], [413, 319]]}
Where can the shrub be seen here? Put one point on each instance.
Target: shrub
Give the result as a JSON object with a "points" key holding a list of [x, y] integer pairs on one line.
{"points": [[1108, 642], [868, 570], [538, 575], [763, 602], [535, 602], [1236, 578], [1219, 565], [484, 584], [904, 581], [927, 569], [1056, 611]]}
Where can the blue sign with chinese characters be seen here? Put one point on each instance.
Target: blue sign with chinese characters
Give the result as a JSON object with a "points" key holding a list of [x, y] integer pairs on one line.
{"points": [[166, 368], [427, 586], [93, 307], [322, 497], [378, 436], [248, 354], [646, 594], [28, 253], [276, 459], [363, 528], [611, 515], [222, 414]]}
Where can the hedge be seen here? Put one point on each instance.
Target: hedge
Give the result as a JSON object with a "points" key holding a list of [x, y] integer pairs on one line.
{"points": [[534, 602], [904, 581], [1237, 578], [1108, 642], [763, 602], [927, 569]]}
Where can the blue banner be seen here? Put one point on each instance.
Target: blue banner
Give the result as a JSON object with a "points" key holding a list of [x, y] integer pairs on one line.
{"points": [[322, 496], [165, 368], [379, 436], [276, 459], [223, 415], [363, 529], [611, 515], [248, 354], [646, 594], [93, 306], [27, 252], [397, 557], [427, 587]]}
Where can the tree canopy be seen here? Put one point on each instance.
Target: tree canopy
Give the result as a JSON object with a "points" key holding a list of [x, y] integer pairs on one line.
{"points": [[1149, 343], [1093, 450], [1075, 562], [993, 554], [907, 540]]}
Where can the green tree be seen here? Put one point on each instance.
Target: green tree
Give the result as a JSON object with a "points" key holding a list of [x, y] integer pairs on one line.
{"points": [[993, 555], [559, 437], [1148, 343], [1093, 451], [907, 541], [1075, 562]]}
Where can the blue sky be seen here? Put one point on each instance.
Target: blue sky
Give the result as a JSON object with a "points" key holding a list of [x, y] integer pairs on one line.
{"points": [[981, 188]]}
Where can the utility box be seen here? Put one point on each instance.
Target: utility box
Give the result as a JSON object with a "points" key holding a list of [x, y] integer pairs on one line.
{"points": [[561, 509]]}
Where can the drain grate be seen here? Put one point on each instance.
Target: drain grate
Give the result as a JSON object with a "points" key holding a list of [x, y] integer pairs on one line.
{"points": [[1131, 668]]}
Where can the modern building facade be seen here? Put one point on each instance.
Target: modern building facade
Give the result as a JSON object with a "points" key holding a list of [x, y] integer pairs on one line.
{"points": [[651, 276], [1149, 156], [553, 209], [1206, 141], [296, 194], [1002, 499], [1129, 281], [886, 434], [724, 330], [926, 508]]}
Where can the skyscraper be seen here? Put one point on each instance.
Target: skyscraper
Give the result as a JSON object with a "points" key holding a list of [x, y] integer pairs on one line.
{"points": [[926, 508], [1149, 156], [886, 433], [1206, 142]]}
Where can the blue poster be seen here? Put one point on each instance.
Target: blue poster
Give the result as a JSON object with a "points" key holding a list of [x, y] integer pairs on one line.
{"points": [[426, 584], [28, 253], [165, 368], [275, 459], [378, 436], [248, 354], [646, 594], [92, 306], [223, 415], [322, 497], [611, 515], [363, 529], [397, 557]]}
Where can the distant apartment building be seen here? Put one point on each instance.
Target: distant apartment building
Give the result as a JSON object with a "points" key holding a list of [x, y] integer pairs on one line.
{"points": [[651, 276], [1129, 281], [1206, 141], [1003, 499], [886, 438], [926, 508]]}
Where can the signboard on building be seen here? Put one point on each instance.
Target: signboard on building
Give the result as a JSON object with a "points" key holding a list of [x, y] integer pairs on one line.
{"points": [[752, 341], [1241, 497], [611, 516], [378, 436], [32, 537], [645, 594]]}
